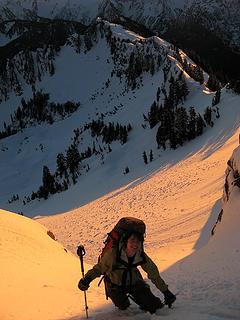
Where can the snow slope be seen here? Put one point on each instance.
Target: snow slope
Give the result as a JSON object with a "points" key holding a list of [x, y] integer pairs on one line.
{"points": [[35, 272], [178, 194], [38, 276], [82, 77], [180, 203]]}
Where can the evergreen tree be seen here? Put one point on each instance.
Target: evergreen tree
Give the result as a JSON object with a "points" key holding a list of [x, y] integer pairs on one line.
{"points": [[158, 94], [168, 126], [58, 187], [173, 138], [123, 135], [168, 120], [129, 127], [192, 124], [161, 137], [200, 125], [88, 152], [185, 65], [208, 116], [126, 171], [181, 88], [198, 74], [172, 97], [151, 156], [65, 185], [152, 66], [145, 157], [153, 115], [40, 101], [88, 41], [234, 85], [73, 159], [51, 68], [217, 112], [216, 98], [94, 148], [131, 72], [78, 43], [213, 83], [100, 149], [110, 136], [169, 103], [33, 195], [61, 165], [181, 122], [48, 181], [24, 104]]}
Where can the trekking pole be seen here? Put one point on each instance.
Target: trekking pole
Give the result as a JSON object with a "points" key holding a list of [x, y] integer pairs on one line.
{"points": [[81, 252]]}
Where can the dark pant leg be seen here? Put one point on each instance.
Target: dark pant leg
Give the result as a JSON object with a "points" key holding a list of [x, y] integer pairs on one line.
{"points": [[144, 297], [118, 296]]}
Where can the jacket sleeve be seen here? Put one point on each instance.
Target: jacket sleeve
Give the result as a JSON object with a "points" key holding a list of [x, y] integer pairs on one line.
{"points": [[153, 274], [105, 264]]}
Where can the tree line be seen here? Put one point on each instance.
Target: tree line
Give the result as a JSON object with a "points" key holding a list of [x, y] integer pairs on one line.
{"points": [[194, 71], [37, 110], [69, 164], [110, 132]]}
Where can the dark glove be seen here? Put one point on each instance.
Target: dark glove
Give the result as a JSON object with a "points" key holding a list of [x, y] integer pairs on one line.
{"points": [[83, 284], [169, 298]]}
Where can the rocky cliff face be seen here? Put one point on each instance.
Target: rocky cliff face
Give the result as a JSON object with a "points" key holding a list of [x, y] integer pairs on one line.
{"points": [[220, 17], [232, 174], [232, 181]]}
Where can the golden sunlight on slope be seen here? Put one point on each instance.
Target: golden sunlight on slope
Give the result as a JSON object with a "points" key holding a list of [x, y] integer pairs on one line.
{"points": [[178, 203], [37, 273]]}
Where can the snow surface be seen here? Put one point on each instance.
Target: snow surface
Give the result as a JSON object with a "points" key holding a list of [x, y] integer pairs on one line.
{"points": [[35, 272], [39, 276], [179, 203], [79, 77]]}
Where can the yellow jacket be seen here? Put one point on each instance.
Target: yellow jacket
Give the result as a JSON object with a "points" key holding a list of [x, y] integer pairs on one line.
{"points": [[116, 267]]}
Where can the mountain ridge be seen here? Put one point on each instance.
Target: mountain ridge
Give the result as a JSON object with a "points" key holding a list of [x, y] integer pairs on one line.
{"points": [[139, 82], [206, 31]]}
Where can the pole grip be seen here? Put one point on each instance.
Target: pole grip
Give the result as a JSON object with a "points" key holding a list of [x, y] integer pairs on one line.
{"points": [[81, 252]]}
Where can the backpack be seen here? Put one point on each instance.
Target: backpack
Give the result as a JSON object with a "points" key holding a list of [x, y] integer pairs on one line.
{"points": [[124, 227]]}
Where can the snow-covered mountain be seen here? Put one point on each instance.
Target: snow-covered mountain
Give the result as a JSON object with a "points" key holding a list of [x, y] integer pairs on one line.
{"points": [[103, 121], [208, 31], [84, 10], [220, 16], [76, 107]]}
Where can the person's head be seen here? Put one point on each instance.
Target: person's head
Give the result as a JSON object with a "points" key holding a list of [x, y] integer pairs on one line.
{"points": [[133, 243]]}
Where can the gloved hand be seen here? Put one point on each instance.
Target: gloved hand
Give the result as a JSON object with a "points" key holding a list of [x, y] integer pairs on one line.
{"points": [[169, 298], [83, 284]]}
